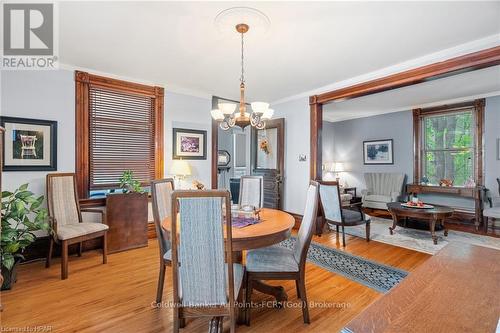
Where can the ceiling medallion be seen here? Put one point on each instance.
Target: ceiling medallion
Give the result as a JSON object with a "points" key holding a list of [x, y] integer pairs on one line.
{"points": [[225, 114]]}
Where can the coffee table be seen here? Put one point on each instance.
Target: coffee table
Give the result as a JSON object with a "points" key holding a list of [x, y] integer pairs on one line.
{"points": [[434, 216]]}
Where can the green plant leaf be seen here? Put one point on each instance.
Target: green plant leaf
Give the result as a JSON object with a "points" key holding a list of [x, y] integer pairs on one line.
{"points": [[8, 261], [6, 194], [12, 247], [23, 187]]}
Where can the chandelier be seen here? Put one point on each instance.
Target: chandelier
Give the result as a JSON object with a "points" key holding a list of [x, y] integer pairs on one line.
{"points": [[260, 112]]}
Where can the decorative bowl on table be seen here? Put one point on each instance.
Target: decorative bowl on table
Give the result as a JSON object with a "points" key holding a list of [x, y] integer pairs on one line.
{"points": [[417, 204]]}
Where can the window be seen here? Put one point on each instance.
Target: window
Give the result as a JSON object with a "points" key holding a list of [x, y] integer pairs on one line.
{"points": [[119, 127], [449, 143]]}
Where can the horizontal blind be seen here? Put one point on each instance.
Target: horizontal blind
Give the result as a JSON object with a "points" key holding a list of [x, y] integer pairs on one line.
{"points": [[122, 137]]}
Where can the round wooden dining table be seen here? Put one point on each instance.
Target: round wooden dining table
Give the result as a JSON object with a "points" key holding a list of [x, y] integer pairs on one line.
{"points": [[274, 226]]}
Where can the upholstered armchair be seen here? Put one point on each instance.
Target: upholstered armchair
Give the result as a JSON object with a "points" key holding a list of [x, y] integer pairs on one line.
{"points": [[382, 188]]}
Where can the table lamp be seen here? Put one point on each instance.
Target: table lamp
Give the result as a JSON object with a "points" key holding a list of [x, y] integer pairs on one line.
{"points": [[337, 168], [180, 169]]}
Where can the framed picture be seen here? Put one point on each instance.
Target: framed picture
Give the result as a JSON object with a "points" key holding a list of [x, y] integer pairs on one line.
{"points": [[30, 144], [378, 152], [189, 144]]}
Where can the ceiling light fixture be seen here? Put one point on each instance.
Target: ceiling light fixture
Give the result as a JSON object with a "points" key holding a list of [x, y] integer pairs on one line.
{"points": [[260, 110]]}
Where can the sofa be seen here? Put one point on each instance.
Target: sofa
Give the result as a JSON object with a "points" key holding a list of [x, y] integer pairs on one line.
{"points": [[382, 188]]}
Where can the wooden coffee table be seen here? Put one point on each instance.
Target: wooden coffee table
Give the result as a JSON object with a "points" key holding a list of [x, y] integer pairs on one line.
{"points": [[434, 216]]}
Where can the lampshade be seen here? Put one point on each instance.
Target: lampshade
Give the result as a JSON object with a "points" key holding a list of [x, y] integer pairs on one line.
{"points": [[180, 168], [217, 114], [260, 107], [227, 108], [338, 167], [268, 114]]}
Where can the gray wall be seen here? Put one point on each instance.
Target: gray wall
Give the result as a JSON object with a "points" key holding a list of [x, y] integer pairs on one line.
{"points": [[346, 138], [51, 95], [343, 140]]}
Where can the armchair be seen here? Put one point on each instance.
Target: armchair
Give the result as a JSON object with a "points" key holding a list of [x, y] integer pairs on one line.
{"points": [[381, 188]]}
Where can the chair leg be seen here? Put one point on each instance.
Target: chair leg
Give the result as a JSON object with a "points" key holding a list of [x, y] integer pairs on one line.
{"points": [[343, 235], [248, 300], [485, 224], [49, 254], [80, 249], [64, 260], [298, 288], [182, 320], [161, 280], [176, 319], [303, 298], [367, 230], [105, 248], [337, 228]]}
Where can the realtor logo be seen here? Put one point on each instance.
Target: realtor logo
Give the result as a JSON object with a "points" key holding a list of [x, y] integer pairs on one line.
{"points": [[29, 36]]}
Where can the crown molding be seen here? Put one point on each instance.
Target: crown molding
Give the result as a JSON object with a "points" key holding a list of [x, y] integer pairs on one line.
{"points": [[456, 51], [169, 88], [411, 107]]}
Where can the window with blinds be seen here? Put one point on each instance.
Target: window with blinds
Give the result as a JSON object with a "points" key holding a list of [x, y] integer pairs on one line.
{"points": [[121, 137]]}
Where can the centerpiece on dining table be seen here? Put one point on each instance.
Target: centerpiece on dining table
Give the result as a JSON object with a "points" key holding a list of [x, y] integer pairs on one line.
{"points": [[243, 216]]}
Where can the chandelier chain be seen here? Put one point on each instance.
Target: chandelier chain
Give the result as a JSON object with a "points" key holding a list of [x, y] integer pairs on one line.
{"points": [[242, 78]]}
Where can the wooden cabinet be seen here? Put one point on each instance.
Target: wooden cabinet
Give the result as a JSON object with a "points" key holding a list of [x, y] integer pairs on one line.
{"points": [[127, 218], [1, 167], [475, 193]]}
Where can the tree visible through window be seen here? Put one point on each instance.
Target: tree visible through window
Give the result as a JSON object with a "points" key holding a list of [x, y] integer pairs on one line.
{"points": [[449, 147]]}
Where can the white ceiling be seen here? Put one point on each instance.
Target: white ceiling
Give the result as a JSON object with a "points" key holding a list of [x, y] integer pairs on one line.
{"points": [[309, 44], [457, 88]]}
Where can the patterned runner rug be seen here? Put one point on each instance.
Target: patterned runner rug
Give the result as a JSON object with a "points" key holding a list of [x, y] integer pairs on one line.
{"points": [[369, 273]]}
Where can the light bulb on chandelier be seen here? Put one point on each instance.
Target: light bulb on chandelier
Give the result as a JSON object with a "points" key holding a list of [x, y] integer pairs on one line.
{"points": [[225, 113]]}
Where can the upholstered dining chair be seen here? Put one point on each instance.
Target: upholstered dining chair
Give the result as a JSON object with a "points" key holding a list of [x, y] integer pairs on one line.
{"points": [[66, 219], [203, 284], [251, 191], [337, 214], [279, 263], [161, 191]]}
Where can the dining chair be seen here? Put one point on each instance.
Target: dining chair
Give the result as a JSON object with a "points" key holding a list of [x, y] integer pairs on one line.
{"points": [[251, 191], [336, 214], [279, 263], [493, 212], [66, 219], [161, 191], [203, 284]]}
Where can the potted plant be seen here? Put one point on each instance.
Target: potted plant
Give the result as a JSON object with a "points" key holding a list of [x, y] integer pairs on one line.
{"points": [[127, 215], [22, 215]]}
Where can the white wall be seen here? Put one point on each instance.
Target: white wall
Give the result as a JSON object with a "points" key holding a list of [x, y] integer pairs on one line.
{"points": [[51, 95], [491, 135], [296, 176]]}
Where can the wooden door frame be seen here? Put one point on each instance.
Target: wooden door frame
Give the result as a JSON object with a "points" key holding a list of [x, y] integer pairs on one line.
{"points": [[453, 66]]}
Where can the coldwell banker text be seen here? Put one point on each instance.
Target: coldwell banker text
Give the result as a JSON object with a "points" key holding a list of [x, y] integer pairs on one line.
{"points": [[29, 36]]}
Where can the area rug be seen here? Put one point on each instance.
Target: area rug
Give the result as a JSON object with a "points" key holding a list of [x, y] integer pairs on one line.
{"points": [[419, 240], [369, 273]]}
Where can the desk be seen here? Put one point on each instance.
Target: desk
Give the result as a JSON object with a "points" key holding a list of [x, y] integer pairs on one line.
{"points": [[454, 291]]}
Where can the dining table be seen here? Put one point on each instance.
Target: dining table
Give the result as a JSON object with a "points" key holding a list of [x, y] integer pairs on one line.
{"points": [[274, 227]]}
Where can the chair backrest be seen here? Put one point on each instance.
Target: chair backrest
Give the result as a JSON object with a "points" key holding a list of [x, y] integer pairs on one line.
{"points": [[307, 225], [161, 192], [62, 198], [330, 201], [384, 183], [200, 279], [252, 191]]}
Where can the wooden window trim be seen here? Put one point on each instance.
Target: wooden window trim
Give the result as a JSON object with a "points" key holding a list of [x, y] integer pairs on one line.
{"points": [[418, 114], [83, 82]]}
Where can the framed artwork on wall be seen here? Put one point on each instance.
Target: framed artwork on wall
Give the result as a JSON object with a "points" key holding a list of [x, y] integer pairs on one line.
{"points": [[30, 144], [377, 152], [189, 144]]}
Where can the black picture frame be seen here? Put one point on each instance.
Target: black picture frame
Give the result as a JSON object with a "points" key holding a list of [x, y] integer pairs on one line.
{"points": [[390, 145], [177, 155], [52, 159]]}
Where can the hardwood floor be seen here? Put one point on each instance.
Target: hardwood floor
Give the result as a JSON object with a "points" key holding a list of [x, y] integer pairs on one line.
{"points": [[119, 296]]}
